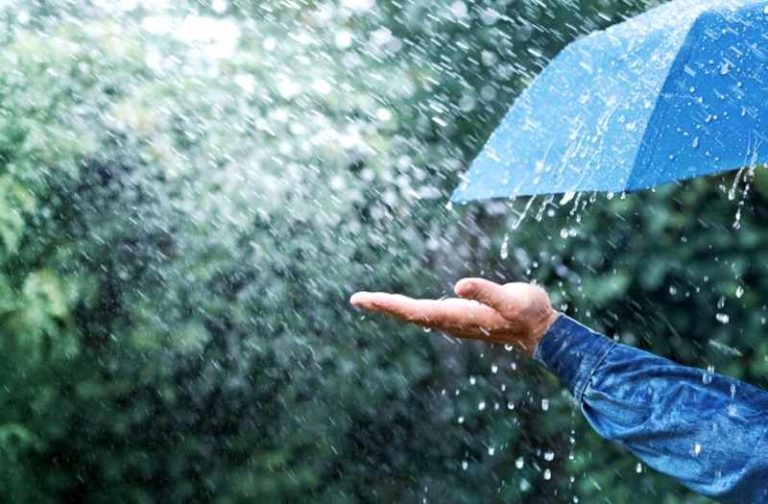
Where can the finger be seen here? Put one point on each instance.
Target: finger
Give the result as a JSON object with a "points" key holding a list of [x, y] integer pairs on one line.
{"points": [[361, 299], [484, 291], [467, 315], [453, 315]]}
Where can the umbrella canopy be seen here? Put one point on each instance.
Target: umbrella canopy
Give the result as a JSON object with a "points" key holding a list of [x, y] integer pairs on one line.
{"points": [[674, 93]]}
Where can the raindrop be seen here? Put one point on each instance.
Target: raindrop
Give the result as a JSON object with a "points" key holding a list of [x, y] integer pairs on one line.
{"points": [[722, 318], [219, 6], [547, 474], [520, 462], [567, 197], [549, 456], [488, 58], [358, 5], [343, 39], [481, 406], [545, 404], [458, 9], [467, 103], [489, 16], [505, 247]]}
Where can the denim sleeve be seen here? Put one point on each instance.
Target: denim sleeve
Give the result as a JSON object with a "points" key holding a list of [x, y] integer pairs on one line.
{"points": [[704, 429]]}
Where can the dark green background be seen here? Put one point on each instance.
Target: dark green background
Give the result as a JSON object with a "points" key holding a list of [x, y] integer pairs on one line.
{"points": [[179, 237]]}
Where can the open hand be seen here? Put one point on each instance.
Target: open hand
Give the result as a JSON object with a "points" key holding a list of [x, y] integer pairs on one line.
{"points": [[516, 313]]}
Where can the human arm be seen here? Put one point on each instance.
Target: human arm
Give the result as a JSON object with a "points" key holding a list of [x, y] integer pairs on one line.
{"points": [[706, 430]]}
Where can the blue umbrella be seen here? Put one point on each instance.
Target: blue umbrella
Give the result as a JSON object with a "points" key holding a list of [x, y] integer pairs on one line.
{"points": [[674, 93]]}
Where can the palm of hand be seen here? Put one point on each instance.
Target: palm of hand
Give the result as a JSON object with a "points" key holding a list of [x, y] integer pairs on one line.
{"points": [[515, 313]]}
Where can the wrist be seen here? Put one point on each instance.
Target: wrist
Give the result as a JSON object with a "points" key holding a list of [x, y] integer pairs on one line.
{"points": [[540, 329]]}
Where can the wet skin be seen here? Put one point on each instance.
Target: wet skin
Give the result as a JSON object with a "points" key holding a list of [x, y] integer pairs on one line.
{"points": [[517, 314]]}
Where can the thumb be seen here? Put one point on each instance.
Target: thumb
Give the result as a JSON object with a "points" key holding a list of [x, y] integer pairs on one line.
{"points": [[484, 291]]}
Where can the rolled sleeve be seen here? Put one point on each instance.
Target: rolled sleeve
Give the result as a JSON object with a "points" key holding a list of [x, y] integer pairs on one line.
{"points": [[704, 429]]}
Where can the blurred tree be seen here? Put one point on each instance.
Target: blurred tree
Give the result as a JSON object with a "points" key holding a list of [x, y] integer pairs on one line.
{"points": [[190, 194]]}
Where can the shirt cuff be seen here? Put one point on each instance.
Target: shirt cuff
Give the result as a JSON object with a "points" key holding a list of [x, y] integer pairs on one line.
{"points": [[572, 352]]}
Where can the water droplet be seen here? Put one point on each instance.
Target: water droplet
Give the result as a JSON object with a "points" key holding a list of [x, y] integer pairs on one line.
{"points": [[545, 404], [547, 474], [549, 456], [520, 462], [505, 247], [567, 197], [481, 406], [723, 318]]}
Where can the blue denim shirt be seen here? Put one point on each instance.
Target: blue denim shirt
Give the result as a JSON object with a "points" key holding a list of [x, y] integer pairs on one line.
{"points": [[707, 430]]}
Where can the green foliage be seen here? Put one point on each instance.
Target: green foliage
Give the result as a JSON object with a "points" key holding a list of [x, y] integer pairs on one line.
{"points": [[180, 231]]}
